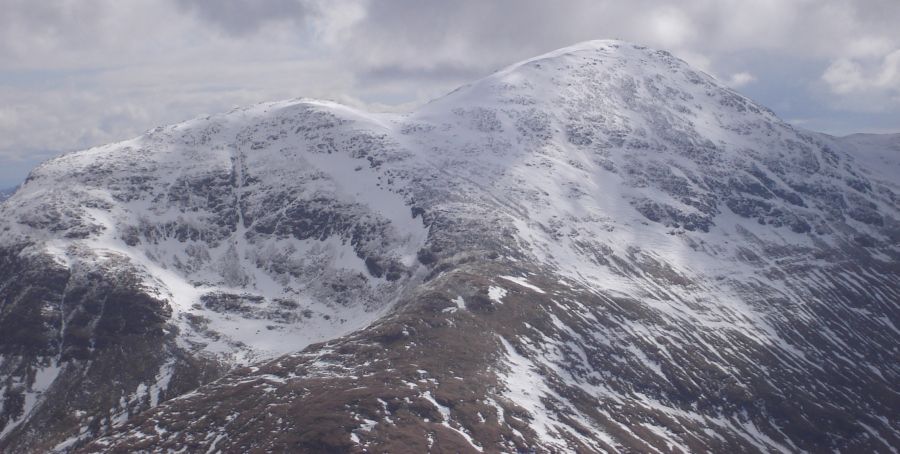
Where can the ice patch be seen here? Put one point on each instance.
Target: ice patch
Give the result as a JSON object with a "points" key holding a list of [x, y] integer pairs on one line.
{"points": [[496, 294], [460, 305], [523, 282], [43, 379], [445, 421]]}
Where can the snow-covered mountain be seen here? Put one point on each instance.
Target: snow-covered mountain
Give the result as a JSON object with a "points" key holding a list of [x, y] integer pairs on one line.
{"points": [[596, 250]]}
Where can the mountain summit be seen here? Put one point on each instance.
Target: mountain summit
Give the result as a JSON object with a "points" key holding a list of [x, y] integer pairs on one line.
{"points": [[600, 249]]}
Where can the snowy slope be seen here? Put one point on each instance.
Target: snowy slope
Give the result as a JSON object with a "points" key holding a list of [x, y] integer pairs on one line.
{"points": [[878, 154], [201, 209], [598, 249], [251, 245]]}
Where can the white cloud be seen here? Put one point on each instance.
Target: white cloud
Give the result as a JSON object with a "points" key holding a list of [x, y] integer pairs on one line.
{"points": [[844, 76], [740, 79], [868, 46], [872, 84], [671, 27]]}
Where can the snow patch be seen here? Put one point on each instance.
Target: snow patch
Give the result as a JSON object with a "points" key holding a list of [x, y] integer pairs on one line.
{"points": [[496, 294], [523, 282], [445, 421]]}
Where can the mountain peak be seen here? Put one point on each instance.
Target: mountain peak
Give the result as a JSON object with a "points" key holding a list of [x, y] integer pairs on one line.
{"points": [[599, 48], [616, 77]]}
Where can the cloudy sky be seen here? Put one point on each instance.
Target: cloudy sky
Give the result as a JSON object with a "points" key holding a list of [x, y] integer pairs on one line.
{"points": [[76, 73]]}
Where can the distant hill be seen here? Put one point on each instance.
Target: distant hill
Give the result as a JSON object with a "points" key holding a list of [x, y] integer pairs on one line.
{"points": [[6, 193]]}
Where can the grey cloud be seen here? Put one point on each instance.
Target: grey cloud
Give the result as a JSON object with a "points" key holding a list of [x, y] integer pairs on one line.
{"points": [[433, 29], [445, 72], [241, 17]]}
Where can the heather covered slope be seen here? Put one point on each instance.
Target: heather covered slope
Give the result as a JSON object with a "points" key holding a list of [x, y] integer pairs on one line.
{"points": [[599, 249]]}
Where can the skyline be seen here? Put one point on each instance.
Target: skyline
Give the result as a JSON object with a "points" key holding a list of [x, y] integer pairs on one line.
{"points": [[80, 74]]}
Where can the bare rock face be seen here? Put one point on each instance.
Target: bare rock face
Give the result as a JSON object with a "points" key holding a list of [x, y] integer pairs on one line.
{"points": [[596, 250]]}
